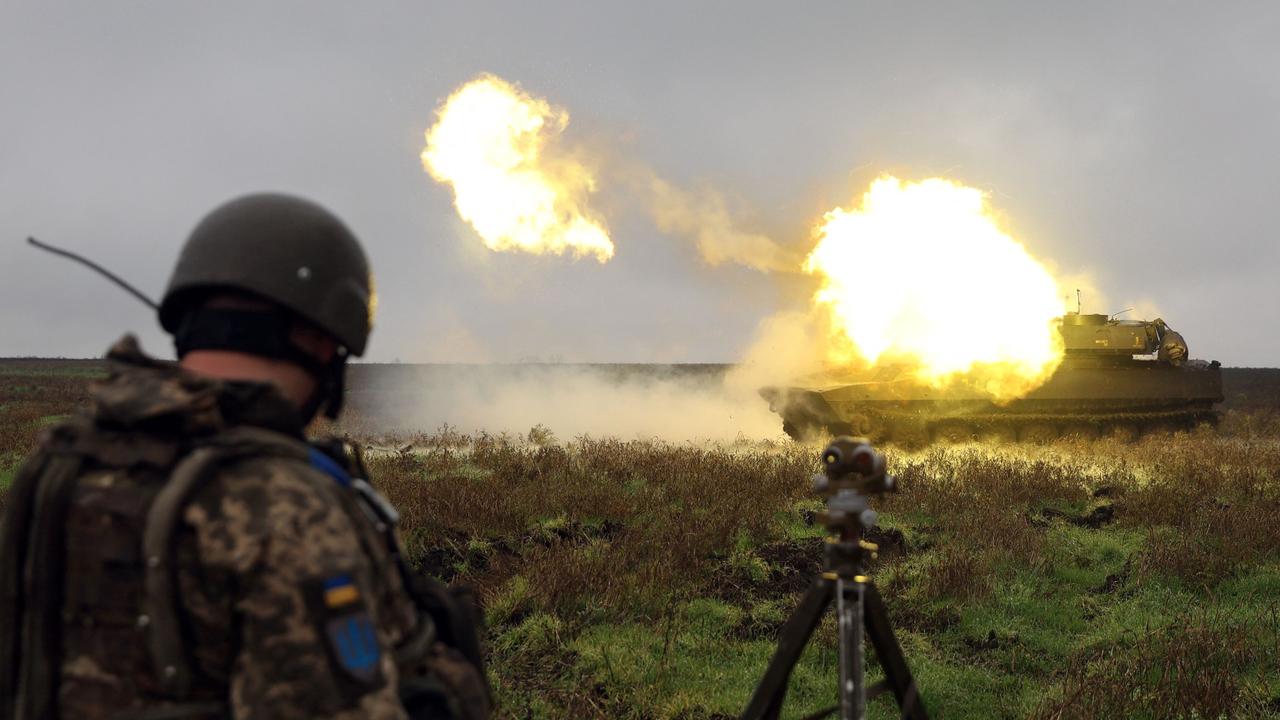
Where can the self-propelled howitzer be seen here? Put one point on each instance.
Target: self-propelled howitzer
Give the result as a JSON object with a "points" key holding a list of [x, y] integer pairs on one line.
{"points": [[1117, 377]]}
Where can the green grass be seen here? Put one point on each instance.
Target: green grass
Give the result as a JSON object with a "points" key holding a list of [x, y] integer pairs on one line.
{"points": [[8, 468], [1001, 657], [649, 580]]}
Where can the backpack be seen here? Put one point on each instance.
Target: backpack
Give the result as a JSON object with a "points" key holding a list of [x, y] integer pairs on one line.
{"points": [[34, 556]]}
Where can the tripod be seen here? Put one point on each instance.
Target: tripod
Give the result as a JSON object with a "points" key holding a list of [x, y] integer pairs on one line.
{"points": [[853, 469]]}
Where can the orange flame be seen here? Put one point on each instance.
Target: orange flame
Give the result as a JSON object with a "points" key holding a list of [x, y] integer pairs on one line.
{"points": [[494, 144], [921, 274]]}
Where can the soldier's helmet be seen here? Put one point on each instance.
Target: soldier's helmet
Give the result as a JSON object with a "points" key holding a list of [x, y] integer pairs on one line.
{"points": [[283, 249]]}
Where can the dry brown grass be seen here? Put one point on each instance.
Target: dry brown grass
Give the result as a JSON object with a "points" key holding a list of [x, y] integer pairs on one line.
{"points": [[599, 523], [31, 398], [1192, 667], [1209, 507]]}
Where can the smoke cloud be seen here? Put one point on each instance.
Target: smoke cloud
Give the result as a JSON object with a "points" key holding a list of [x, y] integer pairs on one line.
{"points": [[703, 217], [666, 403], [786, 346]]}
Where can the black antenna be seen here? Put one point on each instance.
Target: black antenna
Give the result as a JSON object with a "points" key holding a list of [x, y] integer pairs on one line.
{"points": [[97, 268], [1078, 306]]}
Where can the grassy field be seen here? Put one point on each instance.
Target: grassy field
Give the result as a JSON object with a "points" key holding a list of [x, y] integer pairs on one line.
{"points": [[641, 579]]}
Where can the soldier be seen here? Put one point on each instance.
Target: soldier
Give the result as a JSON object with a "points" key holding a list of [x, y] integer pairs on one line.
{"points": [[180, 551]]}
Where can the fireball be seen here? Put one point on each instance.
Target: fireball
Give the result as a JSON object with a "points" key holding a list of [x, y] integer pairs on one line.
{"points": [[495, 145], [921, 274]]}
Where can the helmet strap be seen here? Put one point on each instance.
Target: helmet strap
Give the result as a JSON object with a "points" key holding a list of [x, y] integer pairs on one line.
{"points": [[334, 384]]}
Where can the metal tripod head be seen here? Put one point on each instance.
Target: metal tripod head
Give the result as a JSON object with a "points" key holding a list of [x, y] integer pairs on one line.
{"points": [[852, 472]]}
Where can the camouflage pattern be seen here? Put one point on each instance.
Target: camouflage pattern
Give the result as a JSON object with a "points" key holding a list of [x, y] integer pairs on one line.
{"points": [[254, 549], [459, 679], [267, 534]]}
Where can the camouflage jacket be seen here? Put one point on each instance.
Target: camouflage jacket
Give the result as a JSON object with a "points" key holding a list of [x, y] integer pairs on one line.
{"points": [[285, 595]]}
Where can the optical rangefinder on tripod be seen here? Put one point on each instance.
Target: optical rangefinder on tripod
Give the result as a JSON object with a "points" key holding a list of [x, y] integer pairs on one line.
{"points": [[852, 471]]}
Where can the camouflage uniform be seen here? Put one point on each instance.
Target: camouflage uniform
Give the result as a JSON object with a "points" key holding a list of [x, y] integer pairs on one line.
{"points": [[287, 600]]}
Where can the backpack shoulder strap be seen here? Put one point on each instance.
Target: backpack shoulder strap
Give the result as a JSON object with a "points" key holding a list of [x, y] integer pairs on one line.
{"points": [[14, 534], [31, 550], [169, 657]]}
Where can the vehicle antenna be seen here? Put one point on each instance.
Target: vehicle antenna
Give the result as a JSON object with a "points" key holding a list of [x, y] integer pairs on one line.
{"points": [[97, 268], [1078, 305]]}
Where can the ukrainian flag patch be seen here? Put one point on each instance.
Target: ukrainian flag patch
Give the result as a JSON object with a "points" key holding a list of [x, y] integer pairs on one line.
{"points": [[349, 629], [340, 591]]}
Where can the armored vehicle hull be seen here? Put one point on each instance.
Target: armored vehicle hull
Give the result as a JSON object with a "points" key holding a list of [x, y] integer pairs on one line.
{"points": [[1097, 390]]}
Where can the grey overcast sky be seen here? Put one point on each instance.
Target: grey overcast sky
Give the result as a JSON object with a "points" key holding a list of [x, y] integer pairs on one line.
{"points": [[1135, 141]]}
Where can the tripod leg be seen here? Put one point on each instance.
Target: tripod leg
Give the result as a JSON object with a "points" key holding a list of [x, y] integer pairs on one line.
{"points": [[850, 618], [766, 701], [895, 667]]}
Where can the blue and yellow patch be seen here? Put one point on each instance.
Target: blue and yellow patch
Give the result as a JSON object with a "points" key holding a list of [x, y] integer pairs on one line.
{"points": [[349, 629], [340, 590], [355, 645]]}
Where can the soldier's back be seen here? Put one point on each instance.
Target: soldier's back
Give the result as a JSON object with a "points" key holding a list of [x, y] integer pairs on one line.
{"points": [[180, 547]]}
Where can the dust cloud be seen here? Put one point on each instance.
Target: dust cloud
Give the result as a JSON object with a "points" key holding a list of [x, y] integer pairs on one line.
{"points": [[671, 403], [787, 346]]}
